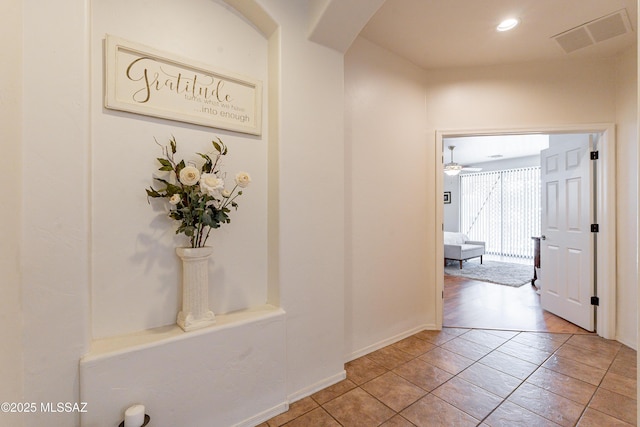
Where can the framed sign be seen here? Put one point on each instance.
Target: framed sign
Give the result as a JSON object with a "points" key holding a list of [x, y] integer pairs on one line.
{"points": [[143, 80]]}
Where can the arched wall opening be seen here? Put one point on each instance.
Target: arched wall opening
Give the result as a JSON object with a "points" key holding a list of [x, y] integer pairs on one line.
{"points": [[134, 272]]}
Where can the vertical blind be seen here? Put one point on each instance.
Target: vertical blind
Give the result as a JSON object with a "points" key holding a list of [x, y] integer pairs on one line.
{"points": [[502, 208]]}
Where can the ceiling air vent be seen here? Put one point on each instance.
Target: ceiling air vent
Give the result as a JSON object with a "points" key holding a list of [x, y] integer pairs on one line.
{"points": [[595, 31]]}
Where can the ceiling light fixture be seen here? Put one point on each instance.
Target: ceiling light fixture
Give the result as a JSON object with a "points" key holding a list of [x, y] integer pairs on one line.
{"points": [[508, 24], [452, 168]]}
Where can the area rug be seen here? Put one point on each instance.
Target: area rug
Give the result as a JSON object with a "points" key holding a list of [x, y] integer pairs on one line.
{"points": [[502, 273]]}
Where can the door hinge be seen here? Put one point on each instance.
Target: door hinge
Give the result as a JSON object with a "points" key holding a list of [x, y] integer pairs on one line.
{"points": [[594, 155], [595, 301], [595, 228]]}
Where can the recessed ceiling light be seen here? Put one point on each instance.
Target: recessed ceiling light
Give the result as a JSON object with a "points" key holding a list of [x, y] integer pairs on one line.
{"points": [[508, 24]]}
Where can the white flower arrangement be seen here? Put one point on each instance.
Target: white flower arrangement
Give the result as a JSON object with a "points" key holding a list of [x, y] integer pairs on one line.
{"points": [[197, 198]]}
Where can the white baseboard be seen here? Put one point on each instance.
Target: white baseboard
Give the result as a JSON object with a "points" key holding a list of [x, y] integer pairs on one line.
{"points": [[629, 343], [264, 416], [388, 341], [308, 391], [300, 394]]}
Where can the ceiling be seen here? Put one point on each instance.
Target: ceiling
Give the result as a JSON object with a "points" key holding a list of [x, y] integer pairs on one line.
{"points": [[461, 33], [440, 34], [507, 146]]}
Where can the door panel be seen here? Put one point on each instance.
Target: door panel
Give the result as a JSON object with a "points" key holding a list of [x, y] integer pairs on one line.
{"points": [[566, 248], [573, 204], [574, 263], [551, 205], [551, 272]]}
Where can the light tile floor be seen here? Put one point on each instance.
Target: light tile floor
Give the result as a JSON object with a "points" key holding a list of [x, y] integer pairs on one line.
{"points": [[479, 377]]}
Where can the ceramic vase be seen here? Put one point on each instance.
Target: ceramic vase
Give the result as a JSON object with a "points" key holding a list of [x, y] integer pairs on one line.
{"points": [[195, 313]]}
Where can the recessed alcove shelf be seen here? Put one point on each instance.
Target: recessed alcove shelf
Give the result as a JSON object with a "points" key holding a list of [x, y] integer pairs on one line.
{"points": [[239, 359], [157, 336]]}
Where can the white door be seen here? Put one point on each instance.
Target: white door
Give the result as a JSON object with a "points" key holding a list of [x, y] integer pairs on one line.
{"points": [[566, 245]]}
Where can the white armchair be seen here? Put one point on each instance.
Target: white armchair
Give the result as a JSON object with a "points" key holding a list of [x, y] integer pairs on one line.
{"points": [[458, 247]]}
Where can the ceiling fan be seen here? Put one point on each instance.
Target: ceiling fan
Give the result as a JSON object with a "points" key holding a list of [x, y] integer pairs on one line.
{"points": [[452, 168]]}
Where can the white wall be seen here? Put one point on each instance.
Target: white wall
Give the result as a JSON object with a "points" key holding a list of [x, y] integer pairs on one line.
{"points": [[231, 374], [522, 95], [94, 165], [55, 216], [311, 202], [11, 363], [541, 95], [389, 185], [451, 211], [532, 95], [135, 271], [627, 196]]}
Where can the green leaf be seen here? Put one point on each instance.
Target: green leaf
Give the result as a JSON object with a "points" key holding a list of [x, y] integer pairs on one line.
{"points": [[179, 167], [164, 181], [208, 165], [173, 189], [153, 193], [173, 143], [222, 217], [207, 219], [220, 147], [217, 146], [164, 162]]}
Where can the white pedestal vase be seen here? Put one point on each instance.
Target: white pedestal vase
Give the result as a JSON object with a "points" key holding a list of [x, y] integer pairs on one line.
{"points": [[195, 311]]}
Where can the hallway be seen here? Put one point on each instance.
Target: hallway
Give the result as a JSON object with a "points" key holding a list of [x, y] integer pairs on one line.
{"points": [[468, 377], [500, 360]]}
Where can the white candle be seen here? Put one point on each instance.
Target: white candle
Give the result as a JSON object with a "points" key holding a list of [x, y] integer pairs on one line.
{"points": [[134, 416]]}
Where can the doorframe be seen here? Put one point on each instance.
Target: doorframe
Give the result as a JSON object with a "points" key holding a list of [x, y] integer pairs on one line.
{"points": [[605, 209]]}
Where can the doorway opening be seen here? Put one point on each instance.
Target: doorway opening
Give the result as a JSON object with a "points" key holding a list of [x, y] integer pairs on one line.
{"points": [[464, 297]]}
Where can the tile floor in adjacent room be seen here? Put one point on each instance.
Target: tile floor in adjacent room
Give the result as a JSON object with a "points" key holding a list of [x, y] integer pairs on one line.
{"points": [[468, 377]]}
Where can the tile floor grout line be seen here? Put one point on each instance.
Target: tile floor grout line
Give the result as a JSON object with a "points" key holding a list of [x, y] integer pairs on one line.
{"points": [[502, 400], [584, 406], [512, 391], [522, 381], [584, 409], [598, 388]]}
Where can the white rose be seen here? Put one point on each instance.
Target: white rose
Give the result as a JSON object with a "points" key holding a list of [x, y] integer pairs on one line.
{"points": [[243, 179], [189, 175], [211, 184], [226, 194], [175, 199]]}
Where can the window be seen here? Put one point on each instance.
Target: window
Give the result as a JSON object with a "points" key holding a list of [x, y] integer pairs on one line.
{"points": [[502, 208]]}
